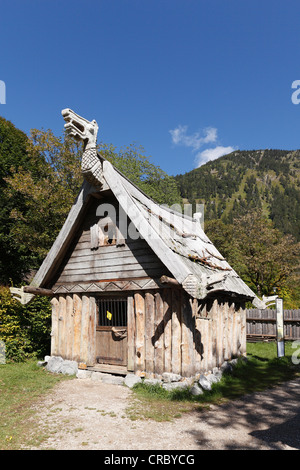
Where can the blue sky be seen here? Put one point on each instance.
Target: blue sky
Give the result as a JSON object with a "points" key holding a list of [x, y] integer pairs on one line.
{"points": [[188, 80]]}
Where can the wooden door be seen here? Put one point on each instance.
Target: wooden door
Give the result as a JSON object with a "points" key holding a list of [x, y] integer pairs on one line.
{"points": [[111, 331]]}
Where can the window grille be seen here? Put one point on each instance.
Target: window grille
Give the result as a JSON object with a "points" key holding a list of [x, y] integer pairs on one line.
{"points": [[112, 311]]}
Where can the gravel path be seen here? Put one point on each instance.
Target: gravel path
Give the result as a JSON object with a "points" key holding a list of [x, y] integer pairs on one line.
{"points": [[80, 414]]}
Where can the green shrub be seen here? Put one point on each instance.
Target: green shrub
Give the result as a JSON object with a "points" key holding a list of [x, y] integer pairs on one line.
{"points": [[25, 329]]}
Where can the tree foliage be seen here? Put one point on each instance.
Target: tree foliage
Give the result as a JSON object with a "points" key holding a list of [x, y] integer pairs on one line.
{"points": [[233, 185], [265, 258], [15, 258], [25, 330]]}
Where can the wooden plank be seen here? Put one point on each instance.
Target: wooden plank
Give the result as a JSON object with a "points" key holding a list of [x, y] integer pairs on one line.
{"points": [[98, 263], [131, 333], [110, 268], [159, 334], [77, 309], [83, 249], [84, 356], [139, 303], [187, 335], [69, 327], [116, 275], [176, 331], [149, 333], [167, 311], [88, 255], [54, 326], [243, 330], [61, 326], [220, 326], [230, 328], [214, 314], [91, 358], [225, 349]]}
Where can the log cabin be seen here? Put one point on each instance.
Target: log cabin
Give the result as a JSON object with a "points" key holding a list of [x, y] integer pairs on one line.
{"points": [[135, 286]]}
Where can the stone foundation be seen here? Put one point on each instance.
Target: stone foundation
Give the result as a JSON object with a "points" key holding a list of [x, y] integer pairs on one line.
{"points": [[169, 381]]}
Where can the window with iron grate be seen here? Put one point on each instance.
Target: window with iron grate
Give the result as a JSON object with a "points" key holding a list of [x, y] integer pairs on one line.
{"points": [[112, 311]]}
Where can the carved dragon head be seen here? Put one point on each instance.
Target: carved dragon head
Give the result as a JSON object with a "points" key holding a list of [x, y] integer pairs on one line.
{"points": [[80, 128]]}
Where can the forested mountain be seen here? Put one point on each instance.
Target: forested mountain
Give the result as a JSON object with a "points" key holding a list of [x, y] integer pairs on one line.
{"points": [[241, 181]]}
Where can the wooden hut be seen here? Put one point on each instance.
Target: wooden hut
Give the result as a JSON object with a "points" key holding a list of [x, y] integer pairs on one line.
{"points": [[136, 286]]}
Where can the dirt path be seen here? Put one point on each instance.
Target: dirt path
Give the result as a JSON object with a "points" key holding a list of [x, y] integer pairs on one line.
{"points": [[82, 414]]}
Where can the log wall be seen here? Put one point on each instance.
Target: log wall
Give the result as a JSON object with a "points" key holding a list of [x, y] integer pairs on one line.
{"points": [[167, 331], [73, 334], [170, 335]]}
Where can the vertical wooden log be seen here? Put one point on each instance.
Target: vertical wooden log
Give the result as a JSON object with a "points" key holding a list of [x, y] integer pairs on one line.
{"points": [[69, 327], [77, 310], [140, 331], [202, 352], [159, 335], [214, 310], [243, 330], [149, 334], [54, 326], [84, 329], [220, 326], [234, 330], [239, 331], [208, 352], [61, 326], [167, 311], [230, 329], [130, 333], [91, 357], [225, 352], [187, 335], [176, 331]]}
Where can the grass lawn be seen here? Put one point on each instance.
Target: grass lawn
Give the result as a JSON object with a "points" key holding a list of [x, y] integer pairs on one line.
{"points": [[21, 384]]}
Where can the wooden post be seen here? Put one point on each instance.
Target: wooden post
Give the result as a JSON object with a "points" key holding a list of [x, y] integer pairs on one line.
{"points": [[149, 333], [84, 330], [91, 358], [54, 324], [69, 331], [77, 309], [159, 335], [140, 331], [130, 333], [176, 331], [37, 291], [187, 334], [61, 326], [167, 312], [214, 312], [170, 281]]}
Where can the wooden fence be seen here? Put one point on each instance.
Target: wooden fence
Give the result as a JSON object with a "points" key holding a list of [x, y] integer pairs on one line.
{"points": [[261, 324]]}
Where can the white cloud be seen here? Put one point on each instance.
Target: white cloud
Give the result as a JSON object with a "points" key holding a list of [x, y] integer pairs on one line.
{"points": [[197, 140], [212, 154]]}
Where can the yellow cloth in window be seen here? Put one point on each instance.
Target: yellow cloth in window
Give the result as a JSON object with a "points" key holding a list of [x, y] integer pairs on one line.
{"points": [[108, 315]]}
